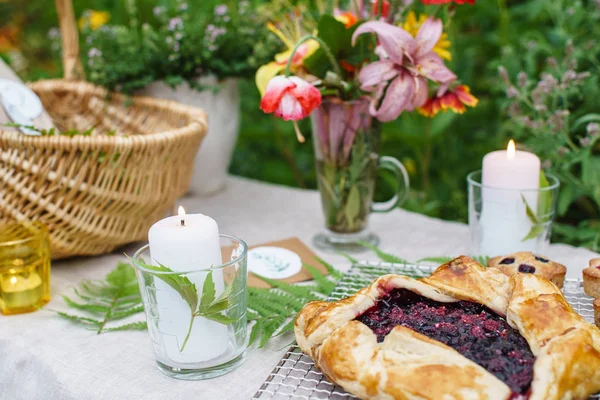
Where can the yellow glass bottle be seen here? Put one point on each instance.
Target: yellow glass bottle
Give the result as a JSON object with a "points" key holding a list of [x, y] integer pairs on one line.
{"points": [[24, 267]]}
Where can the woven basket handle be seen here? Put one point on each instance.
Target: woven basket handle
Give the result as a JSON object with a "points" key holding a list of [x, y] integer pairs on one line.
{"points": [[73, 70]]}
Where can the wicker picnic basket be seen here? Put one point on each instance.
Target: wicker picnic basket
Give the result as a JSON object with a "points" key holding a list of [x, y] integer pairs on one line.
{"points": [[97, 192]]}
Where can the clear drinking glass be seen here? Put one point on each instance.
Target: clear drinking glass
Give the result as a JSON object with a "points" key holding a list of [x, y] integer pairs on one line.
{"points": [[197, 336], [347, 141], [504, 221]]}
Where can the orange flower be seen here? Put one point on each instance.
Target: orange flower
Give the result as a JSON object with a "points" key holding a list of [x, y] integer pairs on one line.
{"points": [[346, 17], [455, 100], [9, 38]]}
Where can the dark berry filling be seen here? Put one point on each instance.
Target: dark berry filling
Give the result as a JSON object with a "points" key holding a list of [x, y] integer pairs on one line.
{"points": [[528, 269], [507, 260], [472, 329], [541, 259]]}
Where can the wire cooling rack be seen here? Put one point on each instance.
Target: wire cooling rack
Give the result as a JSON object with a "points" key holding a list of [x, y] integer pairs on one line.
{"points": [[296, 377]]}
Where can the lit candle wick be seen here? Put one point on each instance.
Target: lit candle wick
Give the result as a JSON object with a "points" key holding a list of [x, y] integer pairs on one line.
{"points": [[181, 213], [510, 150]]}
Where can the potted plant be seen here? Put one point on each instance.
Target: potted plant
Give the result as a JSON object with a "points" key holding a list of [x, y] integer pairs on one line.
{"points": [[186, 52], [350, 71]]}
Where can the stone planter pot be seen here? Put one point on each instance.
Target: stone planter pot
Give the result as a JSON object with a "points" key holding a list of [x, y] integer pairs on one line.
{"points": [[223, 108]]}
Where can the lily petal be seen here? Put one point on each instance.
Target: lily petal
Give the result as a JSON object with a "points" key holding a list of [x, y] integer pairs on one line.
{"points": [[421, 92], [372, 75], [265, 74], [394, 40], [398, 98], [428, 35], [431, 66]]}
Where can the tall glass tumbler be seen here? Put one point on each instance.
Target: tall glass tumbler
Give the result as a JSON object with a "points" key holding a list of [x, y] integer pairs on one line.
{"points": [[197, 319], [504, 221]]}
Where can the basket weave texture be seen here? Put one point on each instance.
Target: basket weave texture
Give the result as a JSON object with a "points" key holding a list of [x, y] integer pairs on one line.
{"points": [[99, 192]]}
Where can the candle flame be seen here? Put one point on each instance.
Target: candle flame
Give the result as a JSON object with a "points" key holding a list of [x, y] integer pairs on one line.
{"points": [[13, 280], [181, 213], [510, 150]]}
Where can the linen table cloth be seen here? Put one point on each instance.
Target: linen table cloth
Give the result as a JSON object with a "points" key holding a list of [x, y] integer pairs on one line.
{"points": [[45, 357]]}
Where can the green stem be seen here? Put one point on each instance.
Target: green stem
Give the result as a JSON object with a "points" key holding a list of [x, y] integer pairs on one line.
{"points": [[109, 312], [325, 48], [187, 337], [426, 157], [504, 21]]}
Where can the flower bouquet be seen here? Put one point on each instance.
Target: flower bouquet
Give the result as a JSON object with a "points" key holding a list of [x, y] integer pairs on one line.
{"points": [[350, 70]]}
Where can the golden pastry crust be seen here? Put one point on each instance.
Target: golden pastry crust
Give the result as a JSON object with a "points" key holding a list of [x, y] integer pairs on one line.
{"points": [[597, 312], [409, 365], [526, 261], [567, 348], [591, 278]]}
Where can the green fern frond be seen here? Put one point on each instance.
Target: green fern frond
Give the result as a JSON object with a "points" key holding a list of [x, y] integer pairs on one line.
{"points": [[295, 290], [289, 327], [269, 329], [79, 319], [439, 260], [324, 284], [383, 256], [347, 257], [483, 260], [273, 311], [335, 273], [103, 302], [134, 326]]}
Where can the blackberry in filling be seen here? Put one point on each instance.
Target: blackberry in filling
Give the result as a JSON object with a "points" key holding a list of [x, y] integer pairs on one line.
{"points": [[528, 269], [472, 329]]}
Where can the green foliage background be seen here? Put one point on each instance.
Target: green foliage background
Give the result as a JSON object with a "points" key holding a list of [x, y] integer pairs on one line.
{"points": [[484, 36]]}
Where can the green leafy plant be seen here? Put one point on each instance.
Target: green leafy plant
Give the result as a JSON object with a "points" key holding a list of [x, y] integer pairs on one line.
{"points": [[550, 90], [210, 306], [103, 302], [55, 132], [176, 42]]}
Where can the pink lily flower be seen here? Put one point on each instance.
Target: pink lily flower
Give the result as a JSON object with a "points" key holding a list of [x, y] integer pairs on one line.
{"points": [[405, 65], [290, 98]]}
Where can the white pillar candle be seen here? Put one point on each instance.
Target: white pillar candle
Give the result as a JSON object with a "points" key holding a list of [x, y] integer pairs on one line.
{"points": [[186, 243], [508, 177]]}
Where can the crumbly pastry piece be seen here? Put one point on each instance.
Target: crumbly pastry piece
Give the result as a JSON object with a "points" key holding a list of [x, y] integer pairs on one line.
{"points": [[597, 312], [401, 363], [591, 279], [527, 262]]}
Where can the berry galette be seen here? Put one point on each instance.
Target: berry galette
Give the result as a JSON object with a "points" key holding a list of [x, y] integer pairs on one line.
{"points": [[529, 263], [465, 332]]}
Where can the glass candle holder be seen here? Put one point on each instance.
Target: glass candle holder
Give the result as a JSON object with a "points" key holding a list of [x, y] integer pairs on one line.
{"points": [[504, 221], [24, 267], [197, 319]]}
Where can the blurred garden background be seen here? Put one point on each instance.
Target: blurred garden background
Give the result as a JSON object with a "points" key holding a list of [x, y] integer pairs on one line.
{"points": [[533, 65]]}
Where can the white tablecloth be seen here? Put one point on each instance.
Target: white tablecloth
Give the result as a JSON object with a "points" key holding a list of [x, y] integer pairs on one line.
{"points": [[45, 357]]}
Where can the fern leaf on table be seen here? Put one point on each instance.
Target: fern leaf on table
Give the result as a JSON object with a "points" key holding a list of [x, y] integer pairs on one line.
{"points": [[273, 311], [383, 256], [324, 284], [439, 260], [137, 326], [334, 272], [103, 302]]}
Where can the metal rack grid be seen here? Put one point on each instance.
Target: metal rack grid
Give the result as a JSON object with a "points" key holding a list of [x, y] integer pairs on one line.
{"points": [[296, 377]]}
